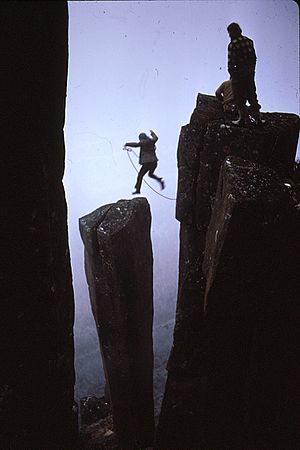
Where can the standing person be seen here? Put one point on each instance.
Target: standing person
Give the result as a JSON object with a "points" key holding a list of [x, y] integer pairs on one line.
{"points": [[224, 93], [147, 159], [241, 67]]}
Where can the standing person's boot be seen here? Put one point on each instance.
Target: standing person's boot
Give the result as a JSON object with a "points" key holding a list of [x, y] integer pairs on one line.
{"points": [[241, 119], [257, 117]]}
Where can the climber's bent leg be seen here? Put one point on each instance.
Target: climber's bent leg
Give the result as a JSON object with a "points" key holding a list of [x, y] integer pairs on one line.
{"points": [[152, 175]]}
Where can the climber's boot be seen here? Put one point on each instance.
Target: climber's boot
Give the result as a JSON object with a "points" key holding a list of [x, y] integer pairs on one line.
{"points": [[241, 119], [258, 119]]}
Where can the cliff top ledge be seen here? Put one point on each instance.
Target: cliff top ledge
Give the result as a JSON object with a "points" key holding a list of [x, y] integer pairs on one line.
{"points": [[210, 137]]}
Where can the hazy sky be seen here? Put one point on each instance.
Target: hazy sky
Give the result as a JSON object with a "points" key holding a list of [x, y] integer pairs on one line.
{"points": [[138, 65]]}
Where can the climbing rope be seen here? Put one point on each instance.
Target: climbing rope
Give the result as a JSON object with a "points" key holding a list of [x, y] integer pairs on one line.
{"points": [[128, 150]]}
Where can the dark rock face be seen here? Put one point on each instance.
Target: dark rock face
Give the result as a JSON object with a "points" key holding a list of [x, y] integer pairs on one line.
{"points": [[119, 269], [93, 409], [97, 429], [209, 137], [37, 369], [251, 260], [238, 297]]}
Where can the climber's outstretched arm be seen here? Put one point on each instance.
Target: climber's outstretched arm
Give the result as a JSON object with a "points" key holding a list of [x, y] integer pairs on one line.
{"points": [[132, 144]]}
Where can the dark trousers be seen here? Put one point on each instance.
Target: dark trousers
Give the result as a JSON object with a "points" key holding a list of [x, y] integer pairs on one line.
{"points": [[147, 167], [244, 89]]}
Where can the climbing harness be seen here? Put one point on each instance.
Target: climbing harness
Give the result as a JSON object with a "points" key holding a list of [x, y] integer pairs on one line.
{"points": [[128, 150]]}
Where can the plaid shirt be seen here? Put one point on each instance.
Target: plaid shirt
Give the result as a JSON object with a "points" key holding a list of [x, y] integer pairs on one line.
{"points": [[241, 56]]}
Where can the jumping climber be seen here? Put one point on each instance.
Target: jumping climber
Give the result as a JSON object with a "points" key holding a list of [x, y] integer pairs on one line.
{"points": [[147, 159]]}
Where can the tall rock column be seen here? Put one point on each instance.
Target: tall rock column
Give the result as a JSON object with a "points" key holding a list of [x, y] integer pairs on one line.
{"points": [[37, 307], [119, 270], [221, 336], [252, 311]]}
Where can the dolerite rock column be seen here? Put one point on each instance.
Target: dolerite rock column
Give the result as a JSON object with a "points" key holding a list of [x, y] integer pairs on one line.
{"points": [[252, 311], [203, 146], [119, 270], [37, 307]]}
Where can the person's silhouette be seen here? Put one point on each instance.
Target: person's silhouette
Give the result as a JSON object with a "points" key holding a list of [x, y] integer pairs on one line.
{"points": [[241, 67], [147, 159]]}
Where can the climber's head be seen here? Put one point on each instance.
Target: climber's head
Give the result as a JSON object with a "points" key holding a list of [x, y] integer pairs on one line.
{"points": [[234, 30], [143, 136]]}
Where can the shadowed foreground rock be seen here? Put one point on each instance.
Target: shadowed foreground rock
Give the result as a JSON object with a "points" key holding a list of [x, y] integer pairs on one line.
{"points": [[37, 305], [252, 258], [119, 270], [96, 430], [234, 361]]}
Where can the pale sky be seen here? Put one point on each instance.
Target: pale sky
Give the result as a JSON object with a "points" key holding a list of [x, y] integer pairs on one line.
{"points": [[138, 65]]}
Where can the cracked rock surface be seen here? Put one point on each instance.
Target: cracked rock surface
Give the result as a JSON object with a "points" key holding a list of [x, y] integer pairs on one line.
{"points": [[238, 316]]}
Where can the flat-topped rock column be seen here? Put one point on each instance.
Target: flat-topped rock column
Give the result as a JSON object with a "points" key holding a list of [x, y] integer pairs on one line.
{"points": [[119, 270]]}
